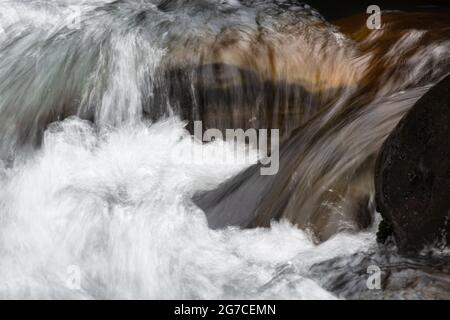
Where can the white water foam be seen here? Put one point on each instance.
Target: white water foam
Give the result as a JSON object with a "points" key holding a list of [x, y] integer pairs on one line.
{"points": [[116, 206]]}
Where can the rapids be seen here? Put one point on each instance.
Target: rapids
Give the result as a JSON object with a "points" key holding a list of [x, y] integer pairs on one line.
{"points": [[96, 111]]}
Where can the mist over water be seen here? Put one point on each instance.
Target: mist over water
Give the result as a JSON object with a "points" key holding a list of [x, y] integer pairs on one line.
{"points": [[89, 129]]}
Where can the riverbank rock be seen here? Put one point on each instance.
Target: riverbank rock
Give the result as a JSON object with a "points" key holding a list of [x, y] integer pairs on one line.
{"points": [[412, 175]]}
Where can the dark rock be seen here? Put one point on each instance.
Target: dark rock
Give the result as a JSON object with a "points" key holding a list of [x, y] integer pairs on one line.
{"points": [[412, 175], [333, 10]]}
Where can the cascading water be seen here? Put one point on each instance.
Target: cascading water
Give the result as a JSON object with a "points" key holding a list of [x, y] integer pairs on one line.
{"points": [[93, 111]]}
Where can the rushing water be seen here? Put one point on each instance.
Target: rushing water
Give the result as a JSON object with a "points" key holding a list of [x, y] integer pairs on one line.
{"points": [[92, 116]]}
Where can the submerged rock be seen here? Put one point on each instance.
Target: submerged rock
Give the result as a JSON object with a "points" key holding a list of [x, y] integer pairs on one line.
{"points": [[349, 277], [412, 175], [325, 181]]}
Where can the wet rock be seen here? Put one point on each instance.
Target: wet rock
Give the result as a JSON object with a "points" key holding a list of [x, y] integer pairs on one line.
{"points": [[422, 277], [412, 175], [324, 192]]}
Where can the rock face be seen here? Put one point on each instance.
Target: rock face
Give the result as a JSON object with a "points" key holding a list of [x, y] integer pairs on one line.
{"points": [[412, 177]]}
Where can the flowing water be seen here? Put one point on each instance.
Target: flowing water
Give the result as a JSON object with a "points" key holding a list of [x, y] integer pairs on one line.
{"points": [[96, 109]]}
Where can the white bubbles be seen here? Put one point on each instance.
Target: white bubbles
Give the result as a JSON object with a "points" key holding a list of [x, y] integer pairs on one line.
{"points": [[114, 205]]}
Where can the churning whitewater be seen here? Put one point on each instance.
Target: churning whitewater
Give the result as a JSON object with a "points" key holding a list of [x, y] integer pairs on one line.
{"points": [[115, 205], [96, 198], [109, 200]]}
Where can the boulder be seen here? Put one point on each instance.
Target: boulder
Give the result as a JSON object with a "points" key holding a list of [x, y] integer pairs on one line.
{"points": [[412, 175]]}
